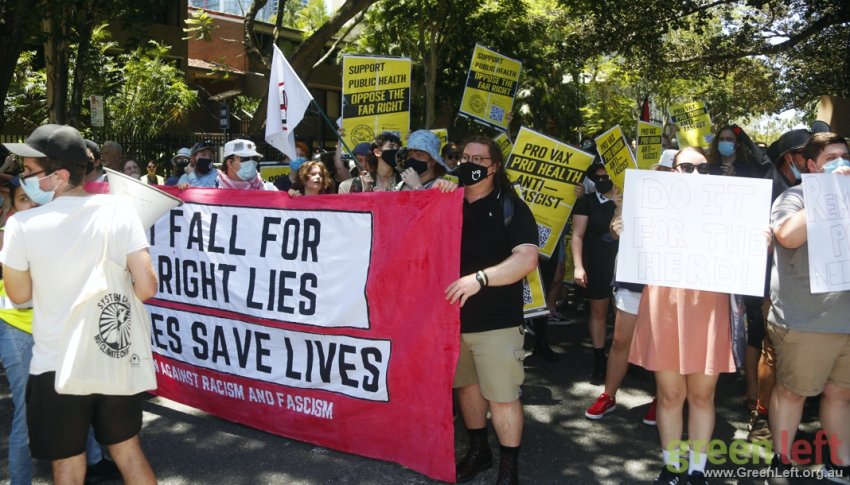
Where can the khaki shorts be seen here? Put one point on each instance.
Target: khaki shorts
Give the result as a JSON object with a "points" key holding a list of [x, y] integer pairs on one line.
{"points": [[806, 361], [492, 359]]}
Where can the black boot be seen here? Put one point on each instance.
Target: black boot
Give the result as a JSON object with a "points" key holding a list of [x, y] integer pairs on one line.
{"points": [[508, 466], [478, 457], [541, 344], [600, 362]]}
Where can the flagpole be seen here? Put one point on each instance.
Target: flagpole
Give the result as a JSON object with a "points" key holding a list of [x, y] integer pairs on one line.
{"points": [[336, 132]]}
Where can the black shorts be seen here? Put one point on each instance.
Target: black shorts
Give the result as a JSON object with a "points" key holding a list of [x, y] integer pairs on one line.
{"points": [[59, 423]]}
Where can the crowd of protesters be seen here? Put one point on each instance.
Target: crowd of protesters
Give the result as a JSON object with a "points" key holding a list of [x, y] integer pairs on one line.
{"points": [[798, 343]]}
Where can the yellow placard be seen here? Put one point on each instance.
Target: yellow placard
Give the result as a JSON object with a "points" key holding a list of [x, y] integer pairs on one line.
{"points": [[548, 170], [443, 135], [648, 144], [505, 144], [490, 88], [375, 97], [616, 154], [270, 173], [533, 293], [693, 123]]}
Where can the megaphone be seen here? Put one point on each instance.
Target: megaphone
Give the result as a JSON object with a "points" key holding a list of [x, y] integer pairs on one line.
{"points": [[150, 202]]}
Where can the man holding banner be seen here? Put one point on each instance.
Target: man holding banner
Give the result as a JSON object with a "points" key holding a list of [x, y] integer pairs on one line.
{"points": [[498, 249], [809, 331]]}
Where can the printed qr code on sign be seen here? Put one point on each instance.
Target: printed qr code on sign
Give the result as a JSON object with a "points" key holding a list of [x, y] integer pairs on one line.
{"points": [[497, 113], [543, 233], [526, 293]]}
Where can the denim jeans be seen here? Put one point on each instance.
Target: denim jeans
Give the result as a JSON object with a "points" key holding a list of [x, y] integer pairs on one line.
{"points": [[15, 354]]}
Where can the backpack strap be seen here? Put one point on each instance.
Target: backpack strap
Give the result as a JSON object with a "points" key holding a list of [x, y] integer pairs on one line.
{"points": [[507, 208]]}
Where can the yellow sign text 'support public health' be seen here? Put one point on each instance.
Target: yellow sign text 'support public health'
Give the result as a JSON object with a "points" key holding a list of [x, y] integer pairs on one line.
{"points": [[548, 171], [693, 123], [490, 88], [648, 144], [375, 97]]}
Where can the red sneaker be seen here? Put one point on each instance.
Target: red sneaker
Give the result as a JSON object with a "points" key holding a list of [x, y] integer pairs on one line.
{"points": [[649, 419], [604, 404]]}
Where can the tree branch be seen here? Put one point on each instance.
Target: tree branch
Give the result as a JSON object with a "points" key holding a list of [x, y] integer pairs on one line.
{"points": [[339, 39], [250, 44], [811, 30]]}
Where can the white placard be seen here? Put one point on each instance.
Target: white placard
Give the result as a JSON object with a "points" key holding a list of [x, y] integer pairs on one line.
{"points": [[695, 231], [96, 108], [355, 367], [827, 198], [307, 267]]}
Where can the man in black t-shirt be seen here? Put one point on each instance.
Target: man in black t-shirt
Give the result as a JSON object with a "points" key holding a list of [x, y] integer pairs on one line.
{"points": [[498, 249]]}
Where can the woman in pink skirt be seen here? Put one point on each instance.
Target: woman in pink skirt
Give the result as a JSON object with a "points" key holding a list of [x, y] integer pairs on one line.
{"points": [[684, 337]]}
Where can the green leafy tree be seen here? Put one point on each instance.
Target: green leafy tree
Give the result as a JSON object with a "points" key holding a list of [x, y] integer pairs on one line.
{"points": [[16, 26], [25, 106], [152, 97], [200, 26], [308, 53], [312, 16], [803, 43], [439, 36]]}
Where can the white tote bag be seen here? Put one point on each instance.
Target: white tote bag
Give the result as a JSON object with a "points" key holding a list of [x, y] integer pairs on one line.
{"points": [[107, 337]]}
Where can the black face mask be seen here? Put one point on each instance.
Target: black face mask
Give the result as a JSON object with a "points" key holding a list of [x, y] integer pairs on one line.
{"points": [[388, 156], [604, 186], [181, 168], [470, 174], [203, 165], [419, 166]]}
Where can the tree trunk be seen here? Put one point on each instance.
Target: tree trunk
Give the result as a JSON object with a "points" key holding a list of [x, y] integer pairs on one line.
{"points": [[311, 49], [84, 48], [15, 27], [248, 34], [56, 59]]}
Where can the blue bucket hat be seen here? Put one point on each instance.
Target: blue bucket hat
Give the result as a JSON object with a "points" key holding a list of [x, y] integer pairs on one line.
{"points": [[427, 142]]}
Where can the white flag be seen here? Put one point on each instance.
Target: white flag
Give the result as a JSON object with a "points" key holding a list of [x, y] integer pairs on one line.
{"points": [[288, 100]]}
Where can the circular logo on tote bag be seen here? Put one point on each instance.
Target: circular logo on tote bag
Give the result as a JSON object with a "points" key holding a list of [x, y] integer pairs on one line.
{"points": [[114, 325]]}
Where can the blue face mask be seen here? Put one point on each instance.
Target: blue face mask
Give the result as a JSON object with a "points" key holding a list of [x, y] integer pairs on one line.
{"points": [[294, 165], [34, 192], [828, 168], [795, 170], [247, 170], [726, 148]]}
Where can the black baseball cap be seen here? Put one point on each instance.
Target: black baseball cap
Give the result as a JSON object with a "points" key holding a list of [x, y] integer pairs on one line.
{"points": [[202, 145], [793, 140], [61, 142]]}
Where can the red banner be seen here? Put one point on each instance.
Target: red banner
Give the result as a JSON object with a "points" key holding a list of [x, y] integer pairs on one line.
{"points": [[319, 318]]}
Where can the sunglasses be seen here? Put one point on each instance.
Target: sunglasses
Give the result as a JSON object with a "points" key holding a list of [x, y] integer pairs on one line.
{"points": [[702, 168]]}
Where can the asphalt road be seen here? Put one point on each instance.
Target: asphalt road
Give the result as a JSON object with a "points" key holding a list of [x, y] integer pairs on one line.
{"points": [[560, 445]]}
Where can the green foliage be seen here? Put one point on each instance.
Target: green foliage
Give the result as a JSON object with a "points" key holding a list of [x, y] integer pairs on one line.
{"points": [[153, 95], [25, 100], [311, 16], [611, 98], [200, 26], [245, 104]]}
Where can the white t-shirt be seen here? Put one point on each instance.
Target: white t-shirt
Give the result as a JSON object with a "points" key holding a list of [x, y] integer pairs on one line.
{"points": [[60, 243]]}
